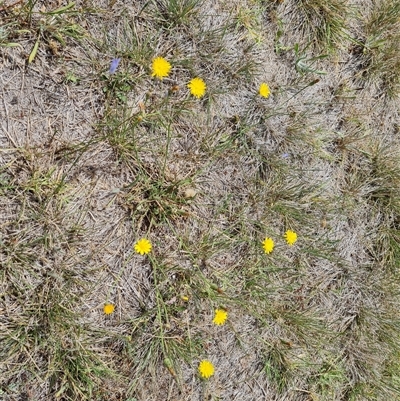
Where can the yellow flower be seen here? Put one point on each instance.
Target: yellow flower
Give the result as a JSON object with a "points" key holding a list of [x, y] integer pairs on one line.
{"points": [[143, 246], [268, 245], [264, 90], [160, 68], [291, 237], [197, 87], [108, 309], [220, 317], [206, 369]]}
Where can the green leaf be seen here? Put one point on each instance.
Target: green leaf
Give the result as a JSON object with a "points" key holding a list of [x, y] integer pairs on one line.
{"points": [[11, 45], [34, 51], [61, 10]]}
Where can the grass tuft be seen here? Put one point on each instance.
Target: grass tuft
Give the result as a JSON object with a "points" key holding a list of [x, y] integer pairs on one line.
{"points": [[321, 23], [380, 52], [173, 13]]}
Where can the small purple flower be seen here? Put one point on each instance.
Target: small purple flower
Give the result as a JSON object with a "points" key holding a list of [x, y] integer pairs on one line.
{"points": [[285, 155], [114, 65]]}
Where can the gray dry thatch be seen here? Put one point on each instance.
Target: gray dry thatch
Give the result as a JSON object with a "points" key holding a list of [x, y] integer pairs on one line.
{"points": [[91, 162]]}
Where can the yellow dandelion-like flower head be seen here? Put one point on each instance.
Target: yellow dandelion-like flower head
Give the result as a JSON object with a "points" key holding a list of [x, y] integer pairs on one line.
{"points": [[143, 246], [206, 369], [220, 317], [290, 237], [268, 245], [264, 90], [160, 68], [108, 309], [197, 87]]}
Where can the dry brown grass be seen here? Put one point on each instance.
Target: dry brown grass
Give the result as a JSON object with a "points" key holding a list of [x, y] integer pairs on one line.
{"points": [[91, 162]]}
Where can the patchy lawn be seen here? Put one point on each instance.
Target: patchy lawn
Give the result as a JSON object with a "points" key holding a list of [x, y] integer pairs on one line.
{"points": [[222, 223]]}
